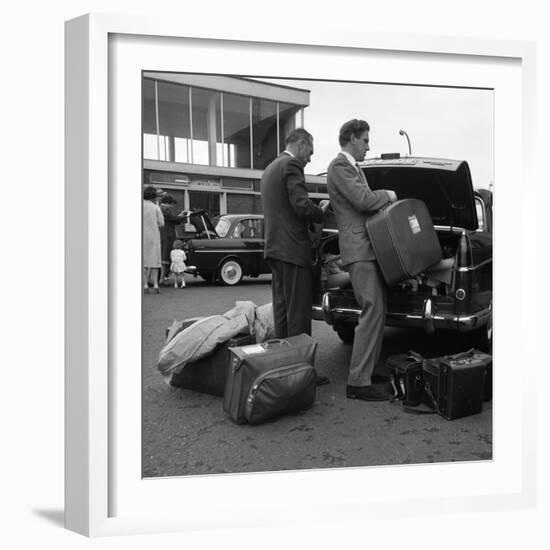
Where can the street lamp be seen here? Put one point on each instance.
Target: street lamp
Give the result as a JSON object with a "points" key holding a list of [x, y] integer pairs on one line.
{"points": [[403, 133]]}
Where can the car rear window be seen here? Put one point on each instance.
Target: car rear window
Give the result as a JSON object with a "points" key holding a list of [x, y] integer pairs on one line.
{"points": [[222, 227]]}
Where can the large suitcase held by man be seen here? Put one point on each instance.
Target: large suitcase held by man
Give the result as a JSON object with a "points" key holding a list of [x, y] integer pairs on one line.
{"points": [[454, 385], [208, 374], [270, 379], [404, 240]]}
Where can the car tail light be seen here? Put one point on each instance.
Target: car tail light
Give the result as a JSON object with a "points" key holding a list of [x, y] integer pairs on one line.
{"points": [[464, 252]]}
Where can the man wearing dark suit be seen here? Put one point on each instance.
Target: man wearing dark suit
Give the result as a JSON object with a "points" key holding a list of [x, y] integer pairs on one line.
{"points": [[287, 213], [352, 202]]}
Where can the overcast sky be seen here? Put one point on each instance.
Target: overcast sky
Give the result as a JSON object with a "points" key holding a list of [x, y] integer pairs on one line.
{"points": [[441, 122]]}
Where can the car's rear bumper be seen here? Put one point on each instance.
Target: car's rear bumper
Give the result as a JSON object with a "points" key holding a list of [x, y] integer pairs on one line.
{"points": [[428, 319]]}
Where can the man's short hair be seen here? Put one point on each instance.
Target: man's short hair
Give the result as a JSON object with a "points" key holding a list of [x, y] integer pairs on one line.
{"points": [[297, 134], [353, 127]]}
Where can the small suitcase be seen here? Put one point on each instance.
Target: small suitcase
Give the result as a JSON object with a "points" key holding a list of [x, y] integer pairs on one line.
{"points": [[404, 240], [406, 377], [454, 385], [208, 374], [270, 379]]}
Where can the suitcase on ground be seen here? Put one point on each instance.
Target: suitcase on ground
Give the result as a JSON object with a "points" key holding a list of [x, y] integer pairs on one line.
{"points": [[404, 240], [270, 379], [208, 374], [454, 385], [406, 377]]}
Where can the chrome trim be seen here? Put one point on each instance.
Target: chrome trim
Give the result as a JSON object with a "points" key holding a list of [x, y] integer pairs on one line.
{"points": [[226, 250], [440, 320], [327, 308], [428, 316], [473, 268]]}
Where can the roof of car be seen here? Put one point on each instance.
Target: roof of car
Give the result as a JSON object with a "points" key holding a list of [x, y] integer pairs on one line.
{"points": [[237, 216], [419, 162]]}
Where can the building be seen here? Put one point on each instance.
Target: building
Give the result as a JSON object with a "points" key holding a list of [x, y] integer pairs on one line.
{"points": [[208, 138]]}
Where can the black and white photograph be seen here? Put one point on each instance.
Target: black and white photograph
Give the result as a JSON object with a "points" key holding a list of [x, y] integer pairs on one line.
{"points": [[317, 274], [293, 275]]}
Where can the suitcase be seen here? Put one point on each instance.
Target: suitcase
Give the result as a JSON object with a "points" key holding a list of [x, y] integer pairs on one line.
{"points": [[270, 379], [208, 374], [404, 240], [406, 377], [454, 385]]}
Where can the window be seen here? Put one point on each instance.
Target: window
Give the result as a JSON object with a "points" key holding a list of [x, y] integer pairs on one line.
{"points": [[205, 200], [249, 229], [195, 125], [480, 211], [173, 122], [222, 227], [236, 130], [264, 132], [244, 204]]}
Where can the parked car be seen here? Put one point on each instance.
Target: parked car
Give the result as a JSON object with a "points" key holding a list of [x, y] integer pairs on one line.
{"points": [[232, 249], [461, 300]]}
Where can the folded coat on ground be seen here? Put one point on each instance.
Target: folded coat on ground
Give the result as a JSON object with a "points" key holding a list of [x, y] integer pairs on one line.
{"points": [[202, 337]]}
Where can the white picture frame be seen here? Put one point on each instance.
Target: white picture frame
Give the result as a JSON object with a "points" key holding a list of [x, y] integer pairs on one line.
{"points": [[105, 494]]}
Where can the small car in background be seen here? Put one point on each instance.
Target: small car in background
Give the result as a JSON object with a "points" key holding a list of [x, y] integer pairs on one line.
{"points": [[459, 298], [228, 251]]}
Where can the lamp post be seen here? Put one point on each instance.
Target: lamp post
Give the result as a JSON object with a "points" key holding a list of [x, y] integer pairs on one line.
{"points": [[403, 133]]}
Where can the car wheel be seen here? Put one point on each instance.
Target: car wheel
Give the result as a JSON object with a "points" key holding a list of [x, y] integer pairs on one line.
{"points": [[230, 272], [346, 332], [209, 277]]}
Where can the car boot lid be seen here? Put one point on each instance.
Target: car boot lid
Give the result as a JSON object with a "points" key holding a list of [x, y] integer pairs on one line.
{"points": [[445, 186]]}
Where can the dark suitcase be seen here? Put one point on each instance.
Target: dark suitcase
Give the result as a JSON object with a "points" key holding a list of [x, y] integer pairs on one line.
{"points": [[404, 240], [208, 374], [454, 385], [406, 377], [270, 379]]}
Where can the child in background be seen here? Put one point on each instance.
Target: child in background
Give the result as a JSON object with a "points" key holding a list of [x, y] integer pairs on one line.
{"points": [[177, 259]]}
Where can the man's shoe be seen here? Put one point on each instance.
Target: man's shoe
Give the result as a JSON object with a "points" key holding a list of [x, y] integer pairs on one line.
{"points": [[365, 393], [322, 380]]}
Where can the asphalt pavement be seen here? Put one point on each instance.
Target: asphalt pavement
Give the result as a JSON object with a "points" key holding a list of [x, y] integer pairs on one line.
{"points": [[188, 433]]}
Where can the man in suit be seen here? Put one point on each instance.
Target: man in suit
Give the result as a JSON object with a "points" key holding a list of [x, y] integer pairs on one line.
{"points": [[287, 213], [352, 202]]}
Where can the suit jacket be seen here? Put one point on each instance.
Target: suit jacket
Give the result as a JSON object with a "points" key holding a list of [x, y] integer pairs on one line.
{"points": [[352, 202], [287, 212]]}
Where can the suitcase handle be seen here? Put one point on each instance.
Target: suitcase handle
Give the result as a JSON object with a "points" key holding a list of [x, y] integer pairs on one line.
{"points": [[414, 355], [275, 341]]}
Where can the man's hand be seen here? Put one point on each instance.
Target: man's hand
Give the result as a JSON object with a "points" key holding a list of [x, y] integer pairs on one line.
{"points": [[324, 204], [391, 195]]}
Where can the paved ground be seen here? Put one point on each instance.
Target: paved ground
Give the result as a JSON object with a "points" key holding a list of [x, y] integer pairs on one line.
{"points": [[188, 433]]}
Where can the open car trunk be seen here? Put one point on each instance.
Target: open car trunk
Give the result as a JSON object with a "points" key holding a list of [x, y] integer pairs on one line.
{"points": [[436, 281]]}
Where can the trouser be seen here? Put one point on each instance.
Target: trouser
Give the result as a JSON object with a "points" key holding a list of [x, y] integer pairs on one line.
{"points": [[369, 289], [292, 298]]}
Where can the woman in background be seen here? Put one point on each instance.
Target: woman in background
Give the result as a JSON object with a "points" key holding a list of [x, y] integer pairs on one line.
{"points": [[153, 221], [168, 233]]}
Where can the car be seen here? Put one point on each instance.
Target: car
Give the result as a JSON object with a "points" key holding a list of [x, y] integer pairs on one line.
{"points": [[227, 252], [461, 301]]}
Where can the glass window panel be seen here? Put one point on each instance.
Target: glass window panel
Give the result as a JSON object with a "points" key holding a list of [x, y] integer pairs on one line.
{"points": [[222, 227], [243, 204], [249, 229], [236, 130], [287, 121], [206, 200], [206, 125], [237, 183], [264, 132], [150, 149], [173, 107], [149, 118], [182, 150]]}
